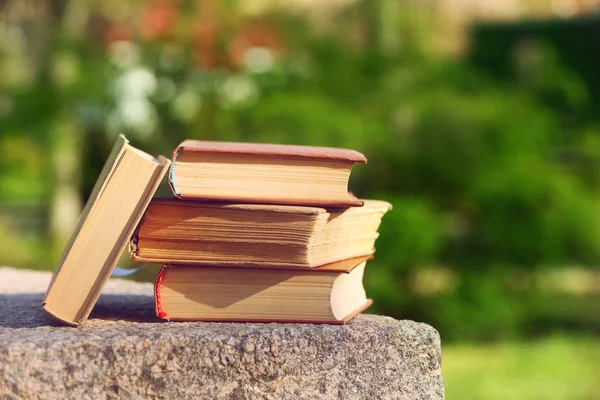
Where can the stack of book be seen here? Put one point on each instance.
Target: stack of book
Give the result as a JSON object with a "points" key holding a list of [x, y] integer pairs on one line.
{"points": [[256, 232]]}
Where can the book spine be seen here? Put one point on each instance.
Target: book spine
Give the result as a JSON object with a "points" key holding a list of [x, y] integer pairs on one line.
{"points": [[157, 299], [264, 320], [323, 203], [172, 172]]}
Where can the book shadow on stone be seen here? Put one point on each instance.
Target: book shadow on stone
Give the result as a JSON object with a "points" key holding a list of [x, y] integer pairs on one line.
{"points": [[24, 310], [242, 293]]}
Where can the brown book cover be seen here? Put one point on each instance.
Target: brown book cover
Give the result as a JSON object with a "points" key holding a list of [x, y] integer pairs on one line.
{"points": [[276, 150], [119, 198], [274, 173], [267, 281]]}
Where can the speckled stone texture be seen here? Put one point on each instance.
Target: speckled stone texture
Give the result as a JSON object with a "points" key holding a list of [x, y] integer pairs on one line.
{"points": [[124, 351]]}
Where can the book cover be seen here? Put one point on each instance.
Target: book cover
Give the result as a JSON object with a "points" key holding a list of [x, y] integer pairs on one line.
{"points": [[122, 192], [330, 294], [263, 173]]}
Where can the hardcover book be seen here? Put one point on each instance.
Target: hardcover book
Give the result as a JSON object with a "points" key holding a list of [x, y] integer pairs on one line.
{"points": [[331, 294], [122, 192], [180, 232], [263, 173]]}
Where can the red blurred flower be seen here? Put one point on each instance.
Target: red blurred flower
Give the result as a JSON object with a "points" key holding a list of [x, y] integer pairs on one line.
{"points": [[207, 54], [254, 36], [117, 32], [159, 19], [210, 54]]}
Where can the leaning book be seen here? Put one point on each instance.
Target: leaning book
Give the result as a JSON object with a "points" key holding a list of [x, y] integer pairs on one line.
{"points": [[122, 192]]}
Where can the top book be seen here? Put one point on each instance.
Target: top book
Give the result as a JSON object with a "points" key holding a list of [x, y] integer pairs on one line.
{"points": [[263, 173]]}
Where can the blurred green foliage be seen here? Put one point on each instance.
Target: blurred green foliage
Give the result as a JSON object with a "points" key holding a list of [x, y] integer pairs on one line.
{"points": [[556, 368], [494, 46], [491, 181]]}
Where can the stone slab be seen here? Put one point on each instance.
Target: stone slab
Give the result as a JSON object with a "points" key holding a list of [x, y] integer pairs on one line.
{"points": [[124, 351]]}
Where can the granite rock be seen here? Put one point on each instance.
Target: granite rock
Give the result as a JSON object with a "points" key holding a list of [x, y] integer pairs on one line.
{"points": [[124, 351]]}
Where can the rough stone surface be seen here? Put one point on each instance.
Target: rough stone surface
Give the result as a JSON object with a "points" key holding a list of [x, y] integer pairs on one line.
{"points": [[125, 352]]}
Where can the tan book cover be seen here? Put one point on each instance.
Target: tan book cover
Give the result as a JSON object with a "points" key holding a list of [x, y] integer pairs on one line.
{"points": [[330, 294], [122, 192], [263, 173]]}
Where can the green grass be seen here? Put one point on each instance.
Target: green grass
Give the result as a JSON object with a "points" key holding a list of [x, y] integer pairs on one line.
{"points": [[556, 368]]}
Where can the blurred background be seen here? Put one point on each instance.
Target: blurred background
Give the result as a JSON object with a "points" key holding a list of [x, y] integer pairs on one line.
{"points": [[480, 120]]}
